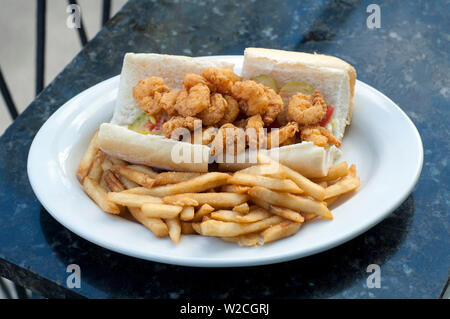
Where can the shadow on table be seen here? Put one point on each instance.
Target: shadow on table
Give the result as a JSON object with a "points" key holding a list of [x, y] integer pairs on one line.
{"points": [[331, 273]]}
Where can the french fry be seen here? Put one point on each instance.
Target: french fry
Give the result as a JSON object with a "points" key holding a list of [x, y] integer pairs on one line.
{"points": [[187, 229], [98, 195], [103, 183], [323, 184], [309, 216], [160, 210], [196, 184], [95, 173], [226, 216], [155, 225], [243, 208], [282, 230], [144, 169], [296, 203], [132, 200], [174, 177], [138, 190], [352, 170], [260, 203], [204, 210], [127, 183], [187, 213], [272, 170], [117, 161], [217, 200], [283, 185], [235, 189], [196, 227], [331, 200], [248, 240], [309, 187], [184, 201], [107, 164], [134, 175], [227, 229], [286, 213], [88, 158], [254, 215], [174, 229], [345, 185], [335, 172], [113, 182]]}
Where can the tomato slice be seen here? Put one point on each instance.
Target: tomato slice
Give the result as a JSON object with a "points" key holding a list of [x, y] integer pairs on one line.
{"points": [[327, 116]]}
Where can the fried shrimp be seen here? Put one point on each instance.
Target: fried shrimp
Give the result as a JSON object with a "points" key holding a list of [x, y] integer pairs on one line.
{"points": [[319, 135], [307, 109], [215, 112], [148, 93], [231, 111], [254, 130], [192, 101], [192, 79], [221, 80], [208, 135], [229, 139], [286, 135], [168, 100], [178, 122], [253, 97], [275, 106]]}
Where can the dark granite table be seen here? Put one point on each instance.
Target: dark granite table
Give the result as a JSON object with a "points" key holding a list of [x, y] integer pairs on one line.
{"points": [[407, 59]]}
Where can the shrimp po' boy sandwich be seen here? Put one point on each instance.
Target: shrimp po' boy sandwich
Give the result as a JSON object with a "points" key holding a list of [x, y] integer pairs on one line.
{"points": [[182, 113]]}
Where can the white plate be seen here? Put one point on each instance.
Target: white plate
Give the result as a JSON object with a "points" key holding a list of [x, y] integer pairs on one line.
{"points": [[382, 141]]}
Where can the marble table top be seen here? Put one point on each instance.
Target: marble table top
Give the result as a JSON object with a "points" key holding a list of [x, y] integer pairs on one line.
{"points": [[407, 59]]}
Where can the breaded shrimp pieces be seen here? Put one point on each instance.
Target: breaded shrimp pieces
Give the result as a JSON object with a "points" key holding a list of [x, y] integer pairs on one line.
{"points": [[192, 79], [208, 135], [319, 135], [168, 100], [253, 97], [307, 109], [215, 112], [192, 101], [148, 92], [286, 135], [229, 139], [231, 111], [275, 106], [178, 122], [254, 130], [221, 79]]}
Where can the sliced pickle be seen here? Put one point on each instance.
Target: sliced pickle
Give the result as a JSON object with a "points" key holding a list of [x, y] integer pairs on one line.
{"points": [[297, 87], [265, 80], [139, 123]]}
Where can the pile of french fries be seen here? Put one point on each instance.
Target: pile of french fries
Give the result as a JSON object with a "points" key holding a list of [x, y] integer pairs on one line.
{"points": [[255, 206]]}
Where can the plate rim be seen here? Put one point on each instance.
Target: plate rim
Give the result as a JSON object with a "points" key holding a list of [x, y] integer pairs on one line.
{"points": [[205, 262]]}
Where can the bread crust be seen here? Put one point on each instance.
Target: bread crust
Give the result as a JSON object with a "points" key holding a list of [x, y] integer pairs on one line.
{"points": [[152, 150]]}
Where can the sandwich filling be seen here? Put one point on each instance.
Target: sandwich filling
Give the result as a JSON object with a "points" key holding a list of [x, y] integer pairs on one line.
{"points": [[227, 111]]}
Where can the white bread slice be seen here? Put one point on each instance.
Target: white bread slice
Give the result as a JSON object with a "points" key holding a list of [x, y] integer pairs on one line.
{"points": [[139, 66], [332, 76], [152, 150], [308, 159]]}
